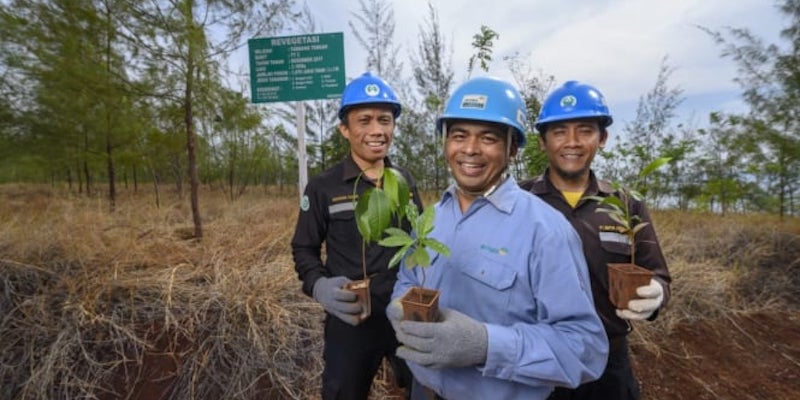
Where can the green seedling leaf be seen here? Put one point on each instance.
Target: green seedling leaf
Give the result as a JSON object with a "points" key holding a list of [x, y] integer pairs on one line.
{"points": [[362, 219], [412, 215], [396, 188], [436, 246], [397, 240], [392, 231], [654, 165], [616, 217], [617, 205], [418, 257], [612, 201], [375, 211], [398, 256], [639, 227], [425, 225], [375, 215]]}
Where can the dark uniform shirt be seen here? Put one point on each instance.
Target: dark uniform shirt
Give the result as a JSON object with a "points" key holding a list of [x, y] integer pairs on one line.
{"points": [[603, 242], [327, 215]]}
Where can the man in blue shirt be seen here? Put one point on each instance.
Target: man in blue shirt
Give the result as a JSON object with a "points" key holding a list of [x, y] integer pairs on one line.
{"points": [[516, 310]]}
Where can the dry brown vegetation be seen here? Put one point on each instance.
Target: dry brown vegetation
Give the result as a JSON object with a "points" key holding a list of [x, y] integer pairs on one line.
{"points": [[123, 306]]}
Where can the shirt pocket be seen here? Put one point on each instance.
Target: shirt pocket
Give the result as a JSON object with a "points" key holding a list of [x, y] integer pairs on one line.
{"points": [[492, 282], [342, 224]]}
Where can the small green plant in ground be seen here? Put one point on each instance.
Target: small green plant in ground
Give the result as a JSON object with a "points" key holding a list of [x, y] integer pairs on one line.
{"points": [[619, 203]]}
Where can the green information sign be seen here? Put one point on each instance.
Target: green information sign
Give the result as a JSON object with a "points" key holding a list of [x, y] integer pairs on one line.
{"points": [[293, 68]]}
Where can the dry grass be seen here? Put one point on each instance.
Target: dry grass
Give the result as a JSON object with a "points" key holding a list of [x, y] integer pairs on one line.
{"points": [[88, 296], [95, 304], [721, 266]]}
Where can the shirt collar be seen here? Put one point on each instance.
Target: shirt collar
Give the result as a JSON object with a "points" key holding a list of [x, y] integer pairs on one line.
{"points": [[502, 198], [351, 170], [542, 185]]}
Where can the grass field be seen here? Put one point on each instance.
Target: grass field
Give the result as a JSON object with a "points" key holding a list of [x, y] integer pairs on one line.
{"points": [[125, 305]]}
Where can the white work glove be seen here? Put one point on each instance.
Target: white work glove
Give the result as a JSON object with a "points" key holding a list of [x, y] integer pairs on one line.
{"points": [[455, 341], [651, 295], [339, 302]]}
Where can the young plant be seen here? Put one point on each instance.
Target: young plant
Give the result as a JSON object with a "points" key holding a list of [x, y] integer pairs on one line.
{"points": [[378, 206], [421, 226], [625, 279], [618, 203], [375, 210]]}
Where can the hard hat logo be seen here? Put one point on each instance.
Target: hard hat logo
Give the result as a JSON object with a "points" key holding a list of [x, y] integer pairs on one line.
{"points": [[568, 101], [473, 102], [372, 90]]}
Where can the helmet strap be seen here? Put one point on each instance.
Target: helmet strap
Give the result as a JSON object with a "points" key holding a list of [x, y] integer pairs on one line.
{"points": [[486, 193], [510, 138]]}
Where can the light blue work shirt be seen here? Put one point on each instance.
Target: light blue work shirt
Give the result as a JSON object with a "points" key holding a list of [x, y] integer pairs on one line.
{"points": [[517, 266]]}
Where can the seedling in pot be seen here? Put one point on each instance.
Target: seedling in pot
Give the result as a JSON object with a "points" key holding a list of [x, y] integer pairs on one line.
{"points": [[419, 304], [377, 208], [623, 279]]}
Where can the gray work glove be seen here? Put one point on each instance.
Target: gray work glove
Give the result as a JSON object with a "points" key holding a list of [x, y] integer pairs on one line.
{"points": [[394, 313], [455, 341], [339, 302]]}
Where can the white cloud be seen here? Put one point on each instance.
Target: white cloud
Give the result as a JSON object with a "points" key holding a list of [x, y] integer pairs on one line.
{"points": [[617, 45]]}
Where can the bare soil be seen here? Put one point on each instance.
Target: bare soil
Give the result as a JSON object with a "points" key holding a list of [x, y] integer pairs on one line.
{"points": [[755, 356]]}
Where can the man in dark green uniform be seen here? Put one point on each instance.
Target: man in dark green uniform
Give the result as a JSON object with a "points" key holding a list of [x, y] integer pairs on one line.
{"points": [[572, 126], [354, 347]]}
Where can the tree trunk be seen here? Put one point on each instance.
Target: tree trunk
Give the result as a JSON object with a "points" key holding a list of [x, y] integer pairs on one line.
{"points": [[189, 119]]}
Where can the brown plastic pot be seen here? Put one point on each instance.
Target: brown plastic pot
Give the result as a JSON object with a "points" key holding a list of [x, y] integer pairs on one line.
{"points": [[420, 304], [623, 279], [361, 289]]}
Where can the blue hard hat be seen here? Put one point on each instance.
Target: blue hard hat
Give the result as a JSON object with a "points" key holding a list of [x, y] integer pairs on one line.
{"points": [[368, 89], [488, 99], [574, 100]]}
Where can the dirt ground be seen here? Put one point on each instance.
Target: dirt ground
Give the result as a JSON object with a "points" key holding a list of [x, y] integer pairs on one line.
{"points": [[753, 356], [743, 357]]}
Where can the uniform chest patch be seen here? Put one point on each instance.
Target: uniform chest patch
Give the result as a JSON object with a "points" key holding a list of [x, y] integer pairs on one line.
{"points": [[305, 203]]}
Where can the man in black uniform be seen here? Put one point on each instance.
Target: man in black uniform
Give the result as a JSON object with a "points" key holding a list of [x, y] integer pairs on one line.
{"points": [[353, 348], [572, 126]]}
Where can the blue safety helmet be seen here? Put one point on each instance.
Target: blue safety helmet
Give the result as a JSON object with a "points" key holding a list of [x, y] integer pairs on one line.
{"points": [[574, 100], [488, 99], [368, 89]]}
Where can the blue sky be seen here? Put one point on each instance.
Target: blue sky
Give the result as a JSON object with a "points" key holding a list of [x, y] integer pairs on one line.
{"points": [[616, 45]]}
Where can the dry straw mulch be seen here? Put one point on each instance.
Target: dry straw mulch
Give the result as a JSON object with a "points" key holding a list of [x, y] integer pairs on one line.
{"points": [[119, 306], [100, 305]]}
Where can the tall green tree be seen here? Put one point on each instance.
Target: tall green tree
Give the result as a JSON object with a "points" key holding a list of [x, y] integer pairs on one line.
{"points": [[182, 43], [374, 29], [769, 75], [433, 76], [651, 135], [483, 43], [534, 85], [71, 62]]}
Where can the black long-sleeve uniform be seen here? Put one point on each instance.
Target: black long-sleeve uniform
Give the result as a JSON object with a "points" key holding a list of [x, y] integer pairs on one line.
{"points": [[352, 354]]}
